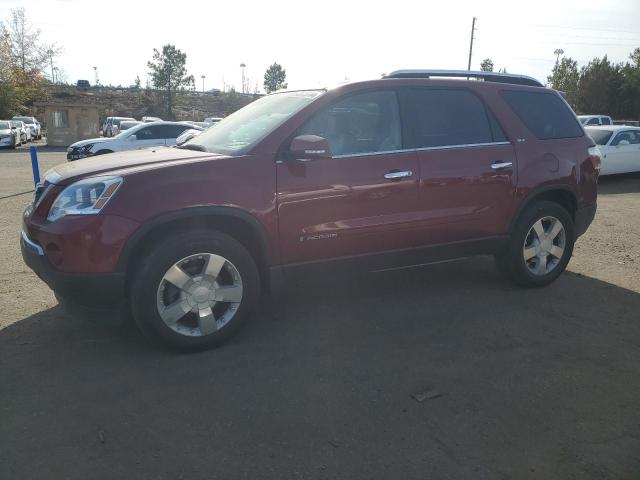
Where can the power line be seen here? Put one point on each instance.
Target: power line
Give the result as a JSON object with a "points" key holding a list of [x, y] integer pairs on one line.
{"points": [[572, 27]]}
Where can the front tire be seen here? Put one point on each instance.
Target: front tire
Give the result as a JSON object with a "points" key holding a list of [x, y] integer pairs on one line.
{"points": [[540, 246], [194, 290]]}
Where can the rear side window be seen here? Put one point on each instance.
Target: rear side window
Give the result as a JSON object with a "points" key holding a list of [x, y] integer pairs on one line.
{"points": [[606, 121], [544, 114], [173, 131], [447, 117]]}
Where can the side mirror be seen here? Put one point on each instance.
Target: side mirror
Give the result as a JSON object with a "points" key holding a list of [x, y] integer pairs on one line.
{"points": [[309, 147], [132, 138], [184, 138]]}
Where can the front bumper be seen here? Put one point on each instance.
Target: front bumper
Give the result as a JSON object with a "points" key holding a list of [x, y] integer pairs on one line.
{"points": [[94, 290]]}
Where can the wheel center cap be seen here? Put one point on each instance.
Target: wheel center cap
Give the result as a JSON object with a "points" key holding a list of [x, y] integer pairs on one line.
{"points": [[545, 246], [201, 294]]}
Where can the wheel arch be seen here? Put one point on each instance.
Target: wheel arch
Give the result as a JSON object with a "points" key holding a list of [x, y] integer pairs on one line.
{"points": [[237, 223], [563, 195]]}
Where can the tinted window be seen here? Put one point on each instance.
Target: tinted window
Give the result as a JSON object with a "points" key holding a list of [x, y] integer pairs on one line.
{"points": [[173, 131], [545, 114], [364, 123], [444, 117], [153, 132], [593, 121], [606, 121]]}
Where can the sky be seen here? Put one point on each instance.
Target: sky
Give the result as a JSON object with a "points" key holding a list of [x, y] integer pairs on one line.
{"points": [[324, 43]]}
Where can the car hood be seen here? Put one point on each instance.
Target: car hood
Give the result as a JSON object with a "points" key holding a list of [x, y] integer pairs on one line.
{"points": [[93, 141], [122, 163]]}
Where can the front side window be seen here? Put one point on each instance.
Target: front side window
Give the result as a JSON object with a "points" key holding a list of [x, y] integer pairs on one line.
{"points": [[367, 122], [61, 119], [154, 132], [448, 117], [174, 131], [593, 121], [544, 113], [627, 138], [606, 121]]}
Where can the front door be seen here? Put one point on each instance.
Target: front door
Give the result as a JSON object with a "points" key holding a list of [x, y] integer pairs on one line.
{"points": [[467, 179], [150, 136], [364, 198]]}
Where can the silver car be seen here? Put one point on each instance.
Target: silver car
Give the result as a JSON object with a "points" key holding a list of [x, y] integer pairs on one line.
{"points": [[32, 124], [9, 136], [25, 133]]}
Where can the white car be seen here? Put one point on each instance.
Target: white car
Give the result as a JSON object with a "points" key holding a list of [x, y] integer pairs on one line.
{"points": [[620, 148], [589, 120], [25, 133], [124, 125], [111, 125], [212, 120], [32, 124], [151, 119], [8, 135], [141, 136]]}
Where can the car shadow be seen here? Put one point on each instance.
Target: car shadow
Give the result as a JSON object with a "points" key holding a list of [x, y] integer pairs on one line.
{"points": [[445, 371], [618, 184]]}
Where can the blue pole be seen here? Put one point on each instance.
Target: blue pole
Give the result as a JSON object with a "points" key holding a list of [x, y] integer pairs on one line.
{"points": [[34, 164]]}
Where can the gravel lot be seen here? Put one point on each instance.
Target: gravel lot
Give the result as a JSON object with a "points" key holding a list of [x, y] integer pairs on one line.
{"points": [[540, 384]]}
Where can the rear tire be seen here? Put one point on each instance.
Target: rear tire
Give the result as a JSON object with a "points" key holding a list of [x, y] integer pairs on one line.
{"points": [[194, 290], [540, 246]]}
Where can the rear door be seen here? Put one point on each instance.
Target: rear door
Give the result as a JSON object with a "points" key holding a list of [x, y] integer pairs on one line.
{"points": [[467, 166], [361, 200]]}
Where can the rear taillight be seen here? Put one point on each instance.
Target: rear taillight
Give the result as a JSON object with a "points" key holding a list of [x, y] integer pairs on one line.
{"points": [[596, 157]]}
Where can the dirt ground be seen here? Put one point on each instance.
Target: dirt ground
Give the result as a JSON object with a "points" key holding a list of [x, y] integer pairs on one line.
{"points": [[439, 372]]}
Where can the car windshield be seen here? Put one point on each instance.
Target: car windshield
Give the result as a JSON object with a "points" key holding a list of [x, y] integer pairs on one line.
{"points": [[5, 126], [25, 120], [601, 137], [238, 132]]}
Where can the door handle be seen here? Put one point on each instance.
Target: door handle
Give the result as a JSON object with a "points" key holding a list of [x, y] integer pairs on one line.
{"points": [[397, 175], [502, 165]]}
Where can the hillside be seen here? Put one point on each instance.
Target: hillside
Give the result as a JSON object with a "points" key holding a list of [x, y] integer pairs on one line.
{"points": [[130, 102]]}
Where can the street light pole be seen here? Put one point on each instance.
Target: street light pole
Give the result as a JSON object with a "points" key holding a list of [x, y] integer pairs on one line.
{"points": [[557, 52], [242, 66], [203, 77], [95, 72], [473, 29]]}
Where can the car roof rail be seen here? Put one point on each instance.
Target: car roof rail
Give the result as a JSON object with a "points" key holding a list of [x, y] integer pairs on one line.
{"points": [[486, 76]]}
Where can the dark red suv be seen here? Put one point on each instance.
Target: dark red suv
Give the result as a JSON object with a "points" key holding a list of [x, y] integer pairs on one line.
{"points": [[404, 170]]}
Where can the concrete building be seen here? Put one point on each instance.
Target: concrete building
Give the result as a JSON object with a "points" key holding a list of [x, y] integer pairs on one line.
{"points": [[68, 123]]}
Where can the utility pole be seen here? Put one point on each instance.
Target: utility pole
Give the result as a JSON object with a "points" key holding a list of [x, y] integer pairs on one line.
{"points": [[203, 77], [473, 29], [557, 52], [50, 53], [95, 73], [242, 66]]}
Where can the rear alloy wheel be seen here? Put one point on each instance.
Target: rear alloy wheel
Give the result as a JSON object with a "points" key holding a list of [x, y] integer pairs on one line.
{"points": [[193, 290], [540, 246]]}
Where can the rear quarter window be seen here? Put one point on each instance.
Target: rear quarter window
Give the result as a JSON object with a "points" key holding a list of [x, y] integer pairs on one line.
{"points": [[545, 114]]}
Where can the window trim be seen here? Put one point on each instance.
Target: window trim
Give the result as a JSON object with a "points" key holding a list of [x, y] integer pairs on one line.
{"points": [[420, 149]]}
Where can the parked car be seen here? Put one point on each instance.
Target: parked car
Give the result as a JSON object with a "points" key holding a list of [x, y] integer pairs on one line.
{"points": [[187, 135], [630, 123], [25, 132], [212, 120], [197, 124], [388, 173], [83, 84], [588, 120], [32, 124], [124, 125], [620, 147], [151, 119], [9, 136], [141, 136], [111, 124]]}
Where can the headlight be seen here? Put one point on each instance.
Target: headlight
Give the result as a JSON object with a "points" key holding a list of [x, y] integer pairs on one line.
{"points": [[85, 197]]}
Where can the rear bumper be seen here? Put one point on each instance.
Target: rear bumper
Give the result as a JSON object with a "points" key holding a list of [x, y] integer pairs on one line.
{"points": [[95, 290], [584, 217]]}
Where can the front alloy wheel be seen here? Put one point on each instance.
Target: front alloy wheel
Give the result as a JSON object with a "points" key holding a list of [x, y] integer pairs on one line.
{"points": [[199, 294]]}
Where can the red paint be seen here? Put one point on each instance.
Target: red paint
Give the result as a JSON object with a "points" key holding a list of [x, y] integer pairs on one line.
{"points": [[324, 208]]}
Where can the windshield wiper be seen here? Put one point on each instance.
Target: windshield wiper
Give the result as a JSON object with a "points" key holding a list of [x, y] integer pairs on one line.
{"points": [[193, 146]]}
